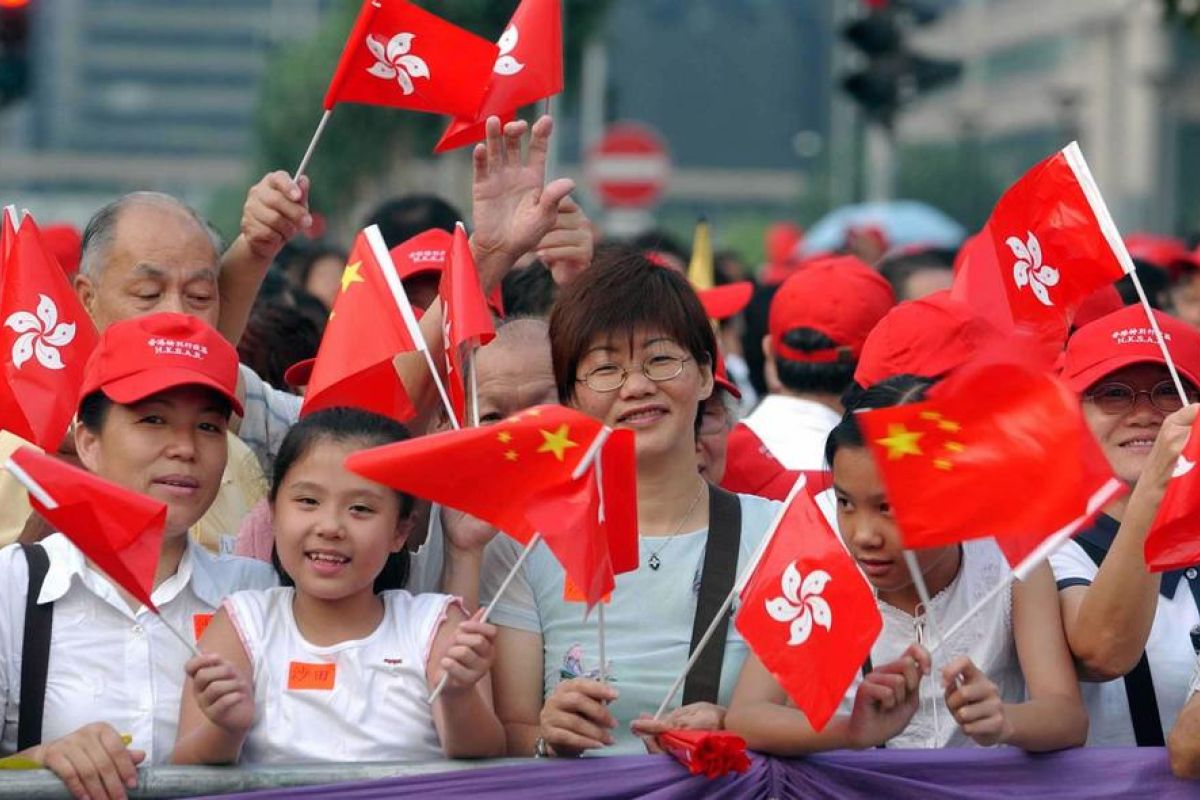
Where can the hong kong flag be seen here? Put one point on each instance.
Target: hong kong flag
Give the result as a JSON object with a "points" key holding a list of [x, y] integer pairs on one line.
{"points": [[119, 530], [400, 55], [992, 436], [1049, 244], [466, 320], [1173, 541], [807, 612], [45, 341], [530, 67]]}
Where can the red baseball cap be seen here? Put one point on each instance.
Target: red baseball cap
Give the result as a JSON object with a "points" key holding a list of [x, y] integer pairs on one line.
{"points": [[1125, 337], [423, 254], [721, 378], [839, 296], [139, 357], [722, 302], [929, 337]]}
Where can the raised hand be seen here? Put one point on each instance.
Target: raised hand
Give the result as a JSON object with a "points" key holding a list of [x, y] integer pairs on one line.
{"points": [[276, 209], [567, 249], [470, 655], [512, 206]]}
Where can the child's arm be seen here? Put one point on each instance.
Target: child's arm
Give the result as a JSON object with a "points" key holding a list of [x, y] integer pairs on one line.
{"points": [[1053, 717], [217, 708], [463, 715], [885, 702]]}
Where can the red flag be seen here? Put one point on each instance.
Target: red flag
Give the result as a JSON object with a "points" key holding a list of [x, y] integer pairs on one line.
{"points": [[808, 613], [618, 478], [972, 460], [1173, 542], [1049, 244], [466, 320], [529, 68], [8, 232], [371, 322], [400, 55], [490, 472], [708, 753], [119, 530], [571, 518], [45, 342]]}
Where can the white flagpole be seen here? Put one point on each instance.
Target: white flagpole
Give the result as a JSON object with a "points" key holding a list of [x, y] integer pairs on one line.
{"points": [[312, 144], [600, 628], [474, 384], [914, 569], [738, 585]]}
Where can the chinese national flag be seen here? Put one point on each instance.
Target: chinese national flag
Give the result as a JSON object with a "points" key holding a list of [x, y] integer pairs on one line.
{"points": [[117, 529], [45, 342], [571, 517], [997, 450], [400, 55], [1049, 244], [1174, 538], [466, 320], [529, 68], [491, 472], [371, 322], [808, 613]]}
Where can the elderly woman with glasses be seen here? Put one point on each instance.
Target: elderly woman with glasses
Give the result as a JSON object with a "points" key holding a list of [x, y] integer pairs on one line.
{"points": [[633, 347], [1128, 628]]}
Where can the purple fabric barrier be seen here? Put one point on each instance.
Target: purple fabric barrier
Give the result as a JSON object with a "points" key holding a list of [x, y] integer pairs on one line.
{"points": [[966, 774]]}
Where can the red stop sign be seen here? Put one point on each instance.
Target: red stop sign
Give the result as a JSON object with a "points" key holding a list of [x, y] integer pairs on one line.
{"points": [[629, 166]]}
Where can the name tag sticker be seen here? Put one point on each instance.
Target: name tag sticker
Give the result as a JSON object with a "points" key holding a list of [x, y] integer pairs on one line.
{"points": [[311, 676], [200, 624]]}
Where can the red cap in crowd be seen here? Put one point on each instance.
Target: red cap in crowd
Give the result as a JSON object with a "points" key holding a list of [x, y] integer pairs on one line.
{"points": [[139, 357], [929, 337], [1125, 337], [721, 378], [1099, 303], [423, 254], [840, 297]]}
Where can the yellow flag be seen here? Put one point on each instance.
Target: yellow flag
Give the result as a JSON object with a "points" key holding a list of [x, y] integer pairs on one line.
{"points": [[700, 271]]}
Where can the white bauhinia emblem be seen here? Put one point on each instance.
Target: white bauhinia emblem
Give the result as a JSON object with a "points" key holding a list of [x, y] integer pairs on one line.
{"points": [[1029, 269], [507, 64], [802, 604], [1182, 467], [393, 61], [40, 336]]}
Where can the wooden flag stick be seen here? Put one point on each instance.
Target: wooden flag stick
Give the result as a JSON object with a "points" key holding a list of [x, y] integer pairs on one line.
{"points": [[487, 612], [312, 144]]}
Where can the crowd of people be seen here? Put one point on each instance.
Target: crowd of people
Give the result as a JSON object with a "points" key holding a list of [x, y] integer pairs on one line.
{"points": [[327, 607]]}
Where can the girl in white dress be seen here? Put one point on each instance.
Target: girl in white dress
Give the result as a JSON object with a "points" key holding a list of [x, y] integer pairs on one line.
{"points": [[338, 664], [1004, 678]]}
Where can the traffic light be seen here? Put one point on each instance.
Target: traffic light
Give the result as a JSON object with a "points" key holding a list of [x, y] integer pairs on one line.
{"points": [[14, 49], [893, 74]]}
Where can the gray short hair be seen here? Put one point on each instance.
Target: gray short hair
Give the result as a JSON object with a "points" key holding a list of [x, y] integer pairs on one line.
{"points": [[101, 228]]}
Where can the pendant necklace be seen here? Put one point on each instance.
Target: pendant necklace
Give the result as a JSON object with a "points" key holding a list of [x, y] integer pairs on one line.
{"points": [[654, 562]]}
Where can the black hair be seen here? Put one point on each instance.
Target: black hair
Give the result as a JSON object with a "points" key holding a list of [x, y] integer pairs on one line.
{"points": [[827, 377], [343, 424], [402, 218], [276, 337], [529, 291], [659, 240], [897, 268], [897, 390], [94, 408], [1154, 280], [303, 265]]}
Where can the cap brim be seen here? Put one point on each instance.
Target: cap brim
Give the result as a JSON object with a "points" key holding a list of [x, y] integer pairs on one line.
{"points": [[416, 272], [721, 302], [298, 374], [727, 385], [1089, 377], [135, 388]]}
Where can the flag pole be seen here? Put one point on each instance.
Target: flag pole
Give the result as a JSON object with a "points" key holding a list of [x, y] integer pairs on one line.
{"points": [[312, 144], [487, 612], [1158, 336], [600, 627], [474, 383], [914, 569], [738, 585]]}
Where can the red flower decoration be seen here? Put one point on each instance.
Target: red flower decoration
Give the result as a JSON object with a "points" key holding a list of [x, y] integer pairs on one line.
{"points": [[708, 753]]}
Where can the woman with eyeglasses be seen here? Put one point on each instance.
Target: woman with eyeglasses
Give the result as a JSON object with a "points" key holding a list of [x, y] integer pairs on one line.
{"points": [[1128, 628], [631, 346]]}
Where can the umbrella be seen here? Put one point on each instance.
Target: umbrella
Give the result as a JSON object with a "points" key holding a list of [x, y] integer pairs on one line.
{"points": [[904, 222]]}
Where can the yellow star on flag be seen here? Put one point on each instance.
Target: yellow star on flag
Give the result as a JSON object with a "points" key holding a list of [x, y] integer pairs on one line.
{"points": [[557, 442], [350, 275], [510, 455], [504, 437], [901, 442]]}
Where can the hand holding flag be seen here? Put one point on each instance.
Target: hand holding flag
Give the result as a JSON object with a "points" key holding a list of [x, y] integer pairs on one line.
{"points": [[1172, 542]]}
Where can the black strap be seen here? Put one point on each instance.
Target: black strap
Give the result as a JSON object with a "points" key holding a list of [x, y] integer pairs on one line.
{"points": [[703, 683], [35, 650], [1139, 683]]}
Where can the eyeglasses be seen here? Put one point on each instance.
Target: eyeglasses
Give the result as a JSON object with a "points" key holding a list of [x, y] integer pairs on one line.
{"points": [[610, 377], [1117, 398]]}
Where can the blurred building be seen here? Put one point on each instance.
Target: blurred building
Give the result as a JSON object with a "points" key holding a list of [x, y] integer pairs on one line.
{"points": [[1039, 74]]}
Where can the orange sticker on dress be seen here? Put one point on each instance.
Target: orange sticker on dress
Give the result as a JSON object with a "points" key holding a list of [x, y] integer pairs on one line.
{"points": [[200, 624], [311, 676], [573, 594]]}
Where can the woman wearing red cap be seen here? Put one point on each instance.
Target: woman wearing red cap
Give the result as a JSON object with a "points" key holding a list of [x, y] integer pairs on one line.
{"points": [[157, 395], [1129, 628]]}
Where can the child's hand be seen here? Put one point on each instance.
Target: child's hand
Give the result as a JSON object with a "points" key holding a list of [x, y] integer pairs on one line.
{"points": [[975, 703], [225, 697], [887, 698], [471, 654]]}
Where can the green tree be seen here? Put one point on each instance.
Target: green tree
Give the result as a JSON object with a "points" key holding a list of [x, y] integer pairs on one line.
{"points": [[359, 139]]}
